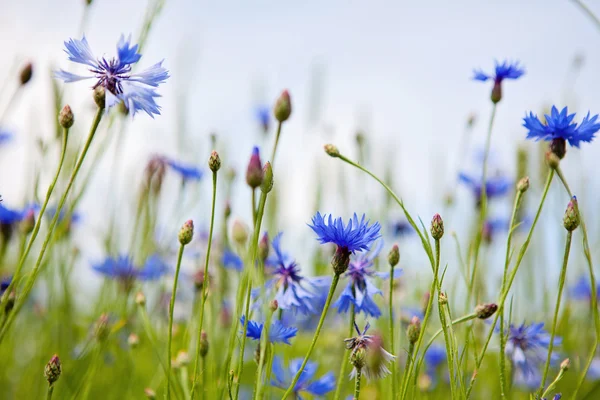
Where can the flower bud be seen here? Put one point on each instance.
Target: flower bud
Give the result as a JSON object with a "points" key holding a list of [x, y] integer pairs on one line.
{"points": [[358, 357], [254, 172], [10, 301], [283, 107], [565, 364], [571, 218], [53, 370], [227, 210], [214, 161], [496, 95], [26, 73], [28, 222], [199, 280], [203, 344], [437, 227], [331, 150], [523, 184], [140, 299], [340, 261], [133, 340], [394, 256], [263, 247], [273, 305], [150, 394], [239, 232], [182, 358], [484, 311], [442, 299], [186, 233], [65, 117], [414, 330], [267, 183], [100, 97], [552, 160]]}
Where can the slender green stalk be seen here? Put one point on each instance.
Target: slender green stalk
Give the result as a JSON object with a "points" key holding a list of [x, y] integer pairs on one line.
{"points": [[253, 206], [34, 273], [343, 366], [275, 145], [503, 337], [407, 367], [553, 384], [391, 317], [583, 376], [588, 12], [240, 367], [264, 346], [511, 278], [482, 205], [49, 392], [561, 285], [171, 308], [24, 252], [151, 337], [357, 383], [205, 285], [334, 283]]}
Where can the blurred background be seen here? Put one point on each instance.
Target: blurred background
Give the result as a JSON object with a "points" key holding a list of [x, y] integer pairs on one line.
{"points": [[399, 73]]}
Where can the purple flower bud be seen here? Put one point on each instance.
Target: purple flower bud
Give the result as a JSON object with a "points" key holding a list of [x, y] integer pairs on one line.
{"points": [[571, 218], [437, 227], [65, 118], [283, 107], [254, 173], [186, 233], [53, 370]]}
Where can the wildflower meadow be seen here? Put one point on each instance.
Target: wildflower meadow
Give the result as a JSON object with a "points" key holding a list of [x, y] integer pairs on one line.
{"points": [[214, 269]]}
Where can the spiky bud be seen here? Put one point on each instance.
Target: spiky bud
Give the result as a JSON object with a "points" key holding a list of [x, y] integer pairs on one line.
{"points": [[53, 370], [100, 97], [283, 107], [273, 305], [442, 298], [26, 73], [484, 311], [523, 184], [267, 183], [437, 227], [565, 364], [65, 117], [496, 95], [571, 218], [28, 222], [414, 330], [186, 233], [358, 357], [140, 299], [203, 344], [340, 261], [150, 394], [239, 232], [263, 247], [254, 172], [394, 256], [331, 150], [214, 161], [133, 340]]}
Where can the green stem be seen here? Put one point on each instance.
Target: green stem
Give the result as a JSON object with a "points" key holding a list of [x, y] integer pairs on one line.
{"points": [[264, 346], [407, 367], [240, 367], [511, 278], [49, 392], [171, 308], [561, 285], [275, 145], [254, 206], [334, 283], [357, 383], [343, 366], [205, 285], [588, 12], [503, 336], [24, 252], [553, 384], [34, 273], [391, 316]]}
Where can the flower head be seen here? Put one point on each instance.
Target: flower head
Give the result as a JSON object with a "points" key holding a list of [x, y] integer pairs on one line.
{"points": [[582, 290], [136, 90], [306, 383], [230, 260], [368, 354], [505, 70], [186, 171], [124, 270], [494, 186], [277, 333], [559, 126]]}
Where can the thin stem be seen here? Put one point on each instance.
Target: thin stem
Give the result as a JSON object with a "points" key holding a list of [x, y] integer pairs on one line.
{"points": [[275, 145], [561, 285], [588, 12], [407, 367], [391, 317], [357, 383], [264, 346], [511, 278], [24, 252], [205, 285], [553, 384], [34, 273], [49, 392], [240, 367], [253, 206], [171, 308], [334, 283], [343, 366]]}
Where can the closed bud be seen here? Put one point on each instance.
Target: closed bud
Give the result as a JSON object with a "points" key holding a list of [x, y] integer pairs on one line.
{"points": [[203, 344], [239, 232], [523, 184], [140, 299], [227, 210], [283, 107], [340, 261], [53, 370], [150, 394], [484, 311], [254, 172], [186, 233], [263, 247], [133, 340], [214, 161], [394, 256], [100, 97], [358, 357], [414, 330], [437, 227], [273, 305], [28, 222], [267, 183], [565, 364], [65, 117], [26, 73], [571, 218], [442, 299], [331, 150], [496, 92], [552, 160]]}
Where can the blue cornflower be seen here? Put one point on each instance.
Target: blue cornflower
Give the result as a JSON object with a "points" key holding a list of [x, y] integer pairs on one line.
{"points": [[376, 358], [124, 270], [293, 291], [506, 70], [360, 290], [10, 216], [187, 172], [559, 127], [230, 260], [283, 378], [582, 290], [527, 347], [75, 217], [277, 333], [356, 236], [4, 284], [434, 357], [263, 115], [5, 136], [136, 90], [494, 186]]}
